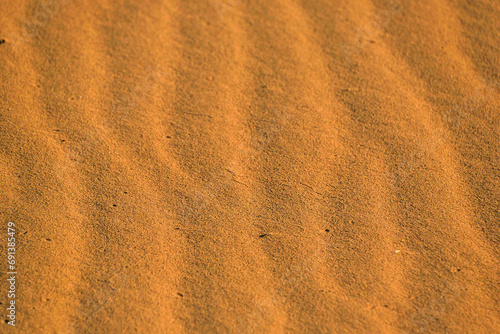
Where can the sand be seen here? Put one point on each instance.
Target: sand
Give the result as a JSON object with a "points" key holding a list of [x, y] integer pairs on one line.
{"points": [[236, 166]]}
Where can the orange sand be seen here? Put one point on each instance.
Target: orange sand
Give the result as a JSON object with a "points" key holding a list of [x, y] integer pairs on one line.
{"points": [[236, 166]]}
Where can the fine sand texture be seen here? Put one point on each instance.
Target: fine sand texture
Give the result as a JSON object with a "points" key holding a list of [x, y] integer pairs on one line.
{"points": [[251, 166]]}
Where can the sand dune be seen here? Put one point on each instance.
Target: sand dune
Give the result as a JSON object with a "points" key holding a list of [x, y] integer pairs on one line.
{"points": [[233, 166]]}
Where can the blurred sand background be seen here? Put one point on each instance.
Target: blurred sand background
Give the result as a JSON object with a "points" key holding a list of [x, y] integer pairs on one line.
{"points": [[237, 166]]}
